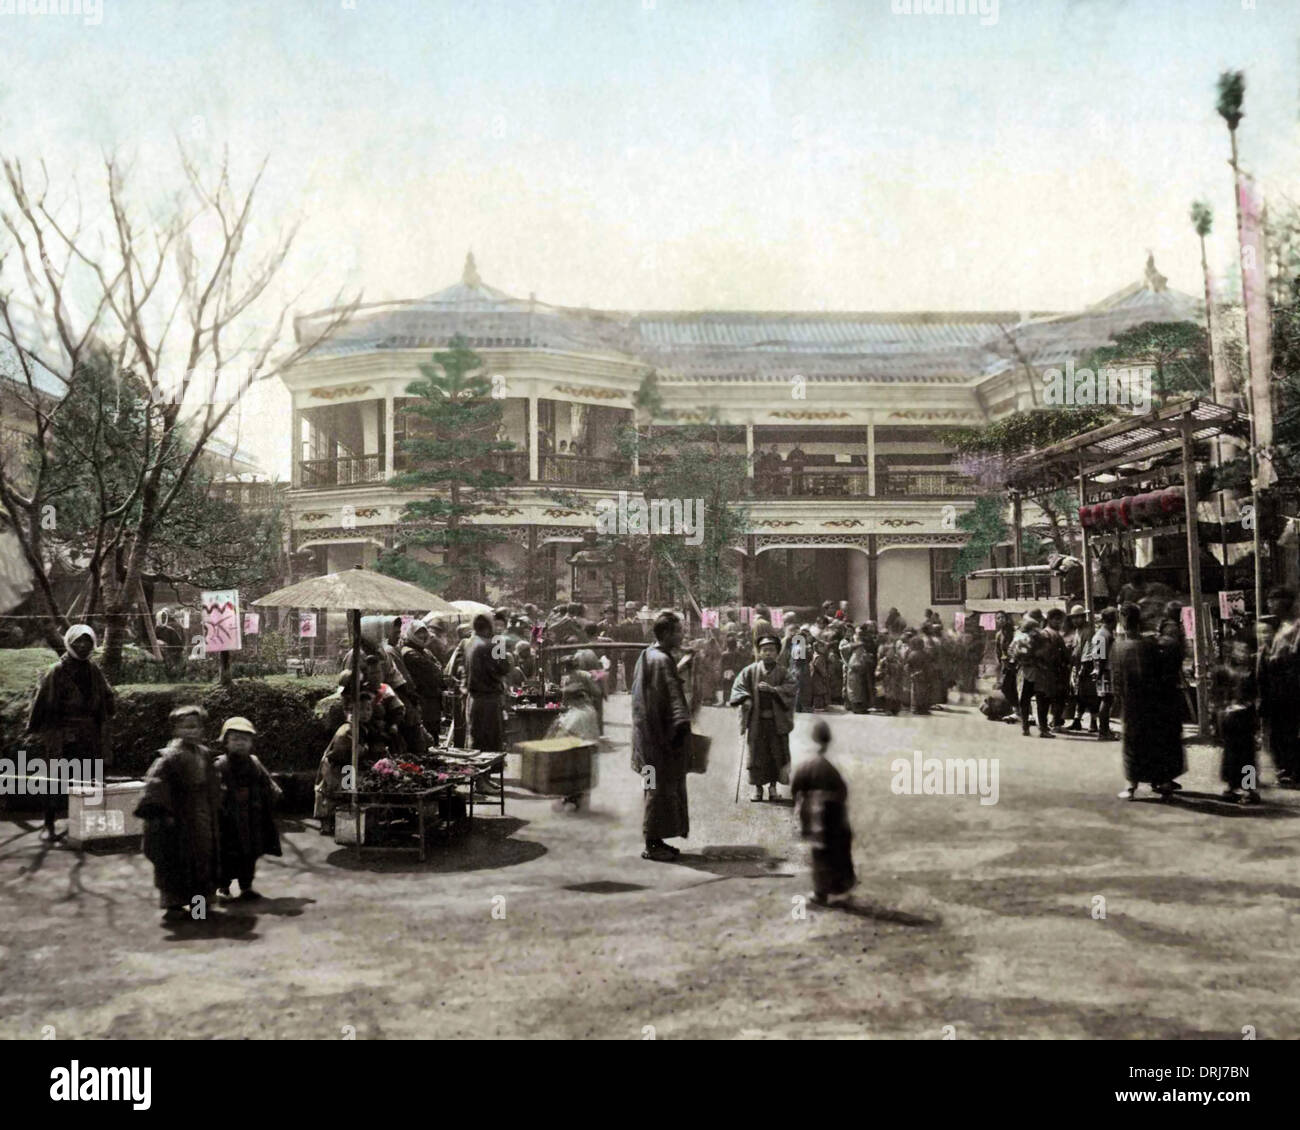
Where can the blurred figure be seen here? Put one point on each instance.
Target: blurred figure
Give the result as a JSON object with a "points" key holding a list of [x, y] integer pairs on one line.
{"points": [[822, 800], [1232, 685]]}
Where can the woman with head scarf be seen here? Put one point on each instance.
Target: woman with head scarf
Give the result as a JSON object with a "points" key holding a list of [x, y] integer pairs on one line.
{"points": [[72, 706]]}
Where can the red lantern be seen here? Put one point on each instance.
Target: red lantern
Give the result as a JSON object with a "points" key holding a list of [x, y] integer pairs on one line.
{"points": [[1126, 511], [1085, 517], [1146, 507], [1172, 501], [1110, 514]]}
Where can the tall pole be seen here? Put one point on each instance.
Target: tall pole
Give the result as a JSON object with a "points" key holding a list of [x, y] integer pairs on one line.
{"points": [[1201, 674], [1250, 385], [1087, 553]]}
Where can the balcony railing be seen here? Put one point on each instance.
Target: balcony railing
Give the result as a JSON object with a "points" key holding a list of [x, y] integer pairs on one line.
{"points": [[582, 470], [570, 470], [924, 484], [254, 496], [342, 472]]}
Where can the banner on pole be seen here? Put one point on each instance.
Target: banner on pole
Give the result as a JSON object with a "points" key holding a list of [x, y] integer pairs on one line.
{"points": [[989, 621], [709, 618], [221, 621], [778, 618], [252, 623], [306, 625], [959, 621]]}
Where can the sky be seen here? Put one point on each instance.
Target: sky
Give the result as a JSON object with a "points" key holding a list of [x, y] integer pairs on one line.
{"points": [[682, 154]]}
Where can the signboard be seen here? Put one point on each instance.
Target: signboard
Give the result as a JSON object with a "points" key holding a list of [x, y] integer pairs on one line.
{"points": [[778, 618], [989, 621], [1189, 622], [1232, 603], [221, 622], [306, 625], [959, 622], [709, 618], [252, 623]]}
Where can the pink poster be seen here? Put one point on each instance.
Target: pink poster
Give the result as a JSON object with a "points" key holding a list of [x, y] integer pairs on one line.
{"points": [[959, 621], [709, 618], [778, 618], [252, 620], [307, 625], [989, 621], [1189, 621], [746, 615]]}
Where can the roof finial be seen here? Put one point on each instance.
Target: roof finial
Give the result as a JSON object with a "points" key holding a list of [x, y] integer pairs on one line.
{"points": [[470, 275], [1155, 280]]}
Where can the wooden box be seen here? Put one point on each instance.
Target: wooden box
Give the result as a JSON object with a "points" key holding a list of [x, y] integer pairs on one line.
{"points": [[557, 766], [93, 817]]}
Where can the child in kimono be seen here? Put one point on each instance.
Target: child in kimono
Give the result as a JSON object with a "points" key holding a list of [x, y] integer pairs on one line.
{"points": [[822, 797], [181, 808], [247, 823], [1232, 686]]}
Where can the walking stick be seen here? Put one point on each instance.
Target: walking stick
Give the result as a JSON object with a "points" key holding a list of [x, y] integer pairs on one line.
{"points": [[740, 760]]}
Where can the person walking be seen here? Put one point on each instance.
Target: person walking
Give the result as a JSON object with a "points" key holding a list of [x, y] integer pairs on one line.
{"points": [[1029, 650]]}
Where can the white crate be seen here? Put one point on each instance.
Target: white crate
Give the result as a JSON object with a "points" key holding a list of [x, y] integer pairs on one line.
{"points": [[106, 814]]}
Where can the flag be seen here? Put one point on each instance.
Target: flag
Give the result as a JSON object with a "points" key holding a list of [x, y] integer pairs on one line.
{"points": [[1254, 293]]}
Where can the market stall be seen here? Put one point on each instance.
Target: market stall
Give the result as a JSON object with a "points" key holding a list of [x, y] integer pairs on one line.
{"points": [[1136, 478], [353, 590]]}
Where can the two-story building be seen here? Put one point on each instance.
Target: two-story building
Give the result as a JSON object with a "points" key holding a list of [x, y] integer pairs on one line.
{"points": [[865, 511]]}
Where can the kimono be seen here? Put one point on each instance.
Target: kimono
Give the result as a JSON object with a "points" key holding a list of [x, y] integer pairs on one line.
{"points": [[485, 681], [579, 720], [891, 676], [426, 680], [1145, 682], [859, 675], [766, 719], [71, 709], [1233, 689], [661, 727], [329, 774], [248, 828], [819, 676], [821, 797], [181, 810]]}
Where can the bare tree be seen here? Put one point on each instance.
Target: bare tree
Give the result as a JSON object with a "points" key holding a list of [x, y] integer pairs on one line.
{"points": [[173, 302]]}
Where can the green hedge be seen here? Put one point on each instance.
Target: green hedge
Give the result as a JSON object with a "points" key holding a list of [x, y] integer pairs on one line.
{"points": [[282, 707]]}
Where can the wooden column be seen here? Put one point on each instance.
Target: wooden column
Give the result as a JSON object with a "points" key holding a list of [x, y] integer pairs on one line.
{"points": [[388, 436], [295, 452], [533, 461], [749, 450], [871, 481], [1087, 553], [1202, 675], [873, 606]]}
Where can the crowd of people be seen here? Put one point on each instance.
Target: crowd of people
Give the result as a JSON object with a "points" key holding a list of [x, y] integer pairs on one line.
{"points": [[424, 684]]}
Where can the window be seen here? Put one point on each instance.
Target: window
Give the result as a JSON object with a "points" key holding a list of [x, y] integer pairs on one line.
{"points": [[944, 588]]}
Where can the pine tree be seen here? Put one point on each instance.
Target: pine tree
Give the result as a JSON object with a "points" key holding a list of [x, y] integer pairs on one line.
{"points": [[453, 427]]}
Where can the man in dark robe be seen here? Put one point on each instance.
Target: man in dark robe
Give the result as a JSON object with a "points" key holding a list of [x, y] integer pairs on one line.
{"points": [[765, 693], [1147, 689], [661, 728], [486, 668], [71, 708], [629, 630]]}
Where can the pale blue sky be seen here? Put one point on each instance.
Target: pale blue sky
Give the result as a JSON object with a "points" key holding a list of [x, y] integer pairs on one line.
{"points": [[669, 154]]}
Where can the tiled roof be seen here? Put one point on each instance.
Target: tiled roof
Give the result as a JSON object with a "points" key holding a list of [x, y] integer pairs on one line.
{"points": [[737, 345]]}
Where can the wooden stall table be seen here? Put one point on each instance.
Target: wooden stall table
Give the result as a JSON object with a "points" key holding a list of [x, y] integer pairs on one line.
{"points": [[481, 765], [422, 803]]}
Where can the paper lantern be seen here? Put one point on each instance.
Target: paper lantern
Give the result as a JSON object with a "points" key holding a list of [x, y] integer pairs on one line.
{"points": [[1125, 511], [1086, 518], [1172, 501], [1146, 508], [1110, 512]]}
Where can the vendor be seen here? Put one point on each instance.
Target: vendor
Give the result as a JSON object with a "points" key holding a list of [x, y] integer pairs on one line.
{"points": [[338, 754]]}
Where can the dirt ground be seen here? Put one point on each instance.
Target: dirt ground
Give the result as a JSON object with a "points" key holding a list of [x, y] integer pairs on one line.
{"points": [[982, 917]]}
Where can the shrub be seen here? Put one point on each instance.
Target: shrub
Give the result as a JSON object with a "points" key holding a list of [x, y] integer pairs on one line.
{"points": [[290, 736]]}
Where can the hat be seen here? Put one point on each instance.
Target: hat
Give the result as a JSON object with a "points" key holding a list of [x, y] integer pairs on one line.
{"points": [[1078, 610], [76, 632], [1035, 614], [237, 725], [765, 637]]}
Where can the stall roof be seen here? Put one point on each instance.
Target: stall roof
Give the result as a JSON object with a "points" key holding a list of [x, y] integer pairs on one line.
{"points": [[1122, 442]]}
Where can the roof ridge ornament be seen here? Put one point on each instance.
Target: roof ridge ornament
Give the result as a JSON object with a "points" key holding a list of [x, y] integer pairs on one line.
{"points": [[470, 275], [1154, 279]]}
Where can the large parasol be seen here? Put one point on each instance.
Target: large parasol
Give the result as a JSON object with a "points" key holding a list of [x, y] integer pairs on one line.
{"points": [[350, 591]]}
